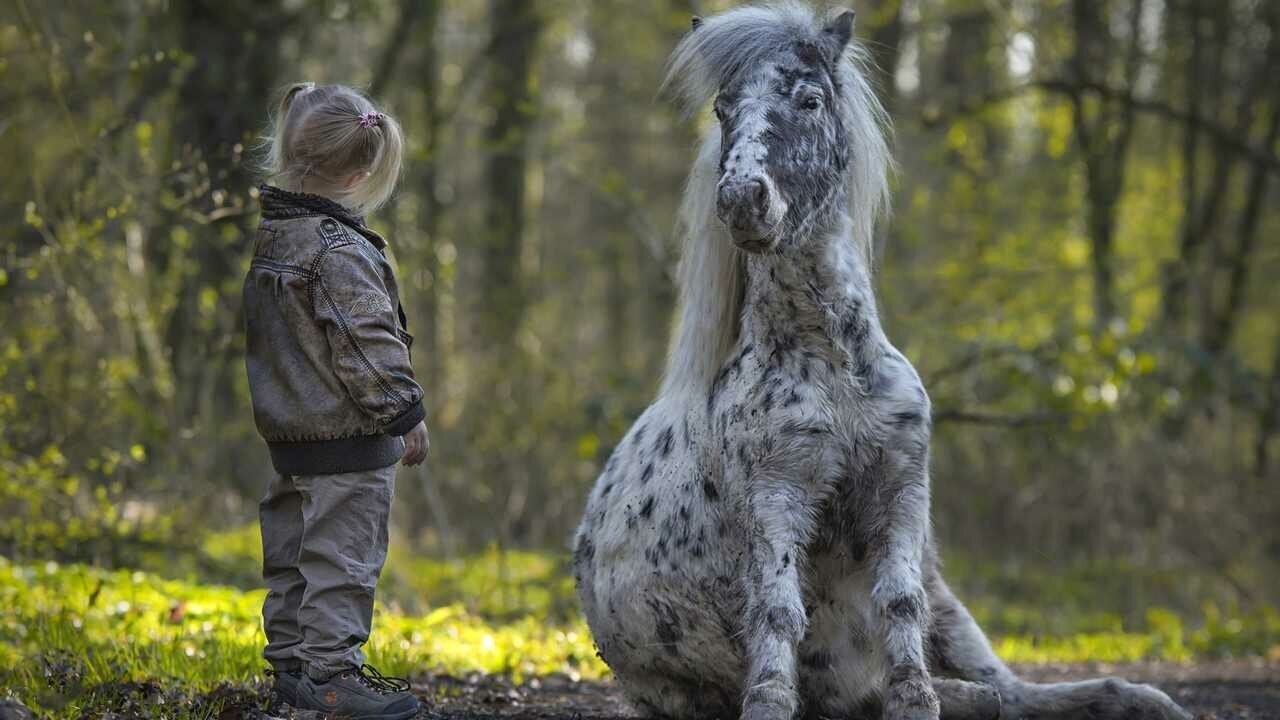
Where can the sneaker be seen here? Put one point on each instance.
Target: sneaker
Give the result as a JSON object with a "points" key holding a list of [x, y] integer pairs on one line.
{"points": [[284, 688], [360, 693]]}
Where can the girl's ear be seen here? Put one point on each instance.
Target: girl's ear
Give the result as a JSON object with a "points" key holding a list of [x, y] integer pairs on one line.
{"points": [[355, 179]]}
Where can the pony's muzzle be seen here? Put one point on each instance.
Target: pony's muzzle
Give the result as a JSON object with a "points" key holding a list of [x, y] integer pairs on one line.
{"points": [[750, 208]]}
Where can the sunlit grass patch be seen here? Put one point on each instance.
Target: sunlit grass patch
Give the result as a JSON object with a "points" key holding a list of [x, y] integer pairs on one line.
{"points": [[66, 629], [1110, 611], [72, 636], [453, 639]]}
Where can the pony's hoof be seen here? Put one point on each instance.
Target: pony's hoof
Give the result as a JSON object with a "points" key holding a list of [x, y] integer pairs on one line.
{"points": [[1150, 703], [759, 711], [911, 699]]}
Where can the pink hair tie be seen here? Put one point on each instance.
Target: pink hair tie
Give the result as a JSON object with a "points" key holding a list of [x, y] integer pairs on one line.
{"points": [[371, 119]]}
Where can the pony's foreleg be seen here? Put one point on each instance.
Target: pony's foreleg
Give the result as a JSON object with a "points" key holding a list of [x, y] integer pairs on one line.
{"points": [[960, 649], [898, 596], [775, 619]]}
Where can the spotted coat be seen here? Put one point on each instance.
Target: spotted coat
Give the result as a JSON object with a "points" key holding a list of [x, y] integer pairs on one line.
{"points": [[759, 541]]}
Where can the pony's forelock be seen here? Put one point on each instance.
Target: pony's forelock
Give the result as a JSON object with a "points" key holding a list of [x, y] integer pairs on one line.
{"points": [[723, 45]]}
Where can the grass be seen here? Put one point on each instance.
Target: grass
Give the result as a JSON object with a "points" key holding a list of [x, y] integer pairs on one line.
{"points": [[66, 630], [1112, 611], [501, 585], [77, 639]]}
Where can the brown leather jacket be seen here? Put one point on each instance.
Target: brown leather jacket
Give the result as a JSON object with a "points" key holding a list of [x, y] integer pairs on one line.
{"points": [[327, 350]]}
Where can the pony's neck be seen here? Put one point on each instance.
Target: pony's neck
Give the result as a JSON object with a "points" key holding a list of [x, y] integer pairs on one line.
{"points": [[817, 297]]}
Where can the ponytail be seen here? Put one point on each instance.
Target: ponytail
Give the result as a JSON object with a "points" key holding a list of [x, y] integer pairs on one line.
{"points": [[322, 135]]}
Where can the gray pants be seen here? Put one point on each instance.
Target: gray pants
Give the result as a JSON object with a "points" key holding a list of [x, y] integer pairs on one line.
{"points": [[324, 539]]}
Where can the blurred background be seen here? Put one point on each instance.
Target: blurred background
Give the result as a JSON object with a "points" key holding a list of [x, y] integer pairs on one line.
{"points": [[1082, 264]]}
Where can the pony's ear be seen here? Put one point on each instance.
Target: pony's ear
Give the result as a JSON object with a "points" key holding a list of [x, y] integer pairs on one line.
{"points": [[695, 22], [837, 33]]}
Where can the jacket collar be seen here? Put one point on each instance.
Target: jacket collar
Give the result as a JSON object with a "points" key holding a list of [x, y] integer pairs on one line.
{"points": [[279, 204]]}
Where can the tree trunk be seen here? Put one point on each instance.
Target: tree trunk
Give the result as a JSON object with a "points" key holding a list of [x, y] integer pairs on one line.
{"points": [[1221, 315], [499, 389], [1103, 129], [413, 42], [1178, 271], [516, 27], [220, 105], [1218, 331], [1269, 421], [426, 311], [886, 45]]}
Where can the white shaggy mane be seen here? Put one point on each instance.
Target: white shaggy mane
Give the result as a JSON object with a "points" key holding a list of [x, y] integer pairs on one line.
{"points": [[712, 270]]}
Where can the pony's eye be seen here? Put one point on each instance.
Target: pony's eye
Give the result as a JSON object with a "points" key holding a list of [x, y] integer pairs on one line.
{"points": [[813, 102]]}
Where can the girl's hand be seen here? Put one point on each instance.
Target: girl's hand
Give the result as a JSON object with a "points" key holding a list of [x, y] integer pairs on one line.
{"points": [[416, 445]]}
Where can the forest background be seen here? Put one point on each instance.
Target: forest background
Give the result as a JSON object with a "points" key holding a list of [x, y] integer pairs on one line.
{"points": [[1082, 264]]}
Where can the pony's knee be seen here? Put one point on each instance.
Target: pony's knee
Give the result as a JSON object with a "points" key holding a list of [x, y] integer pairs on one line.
{"points": [[901, 602], [783, 621]]}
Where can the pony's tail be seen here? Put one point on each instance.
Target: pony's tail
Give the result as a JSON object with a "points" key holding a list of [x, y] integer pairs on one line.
{"points": [[712, 279]]}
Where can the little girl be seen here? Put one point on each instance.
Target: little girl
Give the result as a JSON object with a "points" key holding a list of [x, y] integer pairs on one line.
{"points": [[333, 396]]}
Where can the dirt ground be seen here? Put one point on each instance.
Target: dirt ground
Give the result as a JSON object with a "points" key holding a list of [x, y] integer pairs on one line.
{"points": [[1220, 690], [1224, 690]]}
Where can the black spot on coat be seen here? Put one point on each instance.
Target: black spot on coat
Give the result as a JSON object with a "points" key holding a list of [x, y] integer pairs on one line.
{"points": [[709, 488]]}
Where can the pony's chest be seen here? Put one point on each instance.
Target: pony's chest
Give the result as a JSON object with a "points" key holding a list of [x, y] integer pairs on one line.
{"points": [[774, 385], [802, 401], [799, 404], [763, 391]]}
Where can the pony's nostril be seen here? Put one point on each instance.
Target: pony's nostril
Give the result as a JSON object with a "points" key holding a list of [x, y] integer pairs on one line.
{"points": [[750, 196], [725, 199]]}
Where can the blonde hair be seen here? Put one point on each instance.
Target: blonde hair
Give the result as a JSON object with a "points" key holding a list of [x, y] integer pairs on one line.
{"points": [[323, 134]]}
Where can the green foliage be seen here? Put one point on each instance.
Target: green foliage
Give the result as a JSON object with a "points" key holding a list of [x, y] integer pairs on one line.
{"points": [[1108, 612], [494, 584], [50, 509], [1114, 481], [128, 218], [1164, 636]]}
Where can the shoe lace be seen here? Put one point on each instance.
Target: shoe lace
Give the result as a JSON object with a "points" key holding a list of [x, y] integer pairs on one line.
{"points": [[371, 677]]}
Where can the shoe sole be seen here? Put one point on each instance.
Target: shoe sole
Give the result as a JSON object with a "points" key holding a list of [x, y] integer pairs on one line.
{"points": [[404, 715], [335, 715], [276, 700]]}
